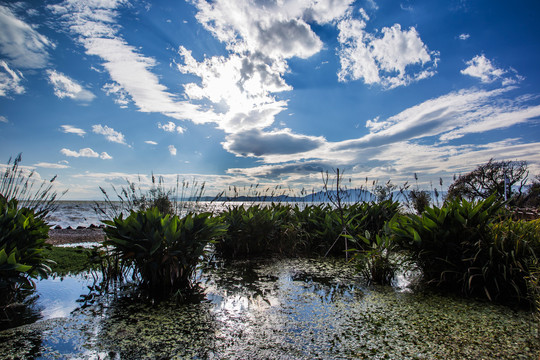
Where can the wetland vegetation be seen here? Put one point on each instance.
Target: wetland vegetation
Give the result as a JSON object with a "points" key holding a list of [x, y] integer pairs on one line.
{"points": [[458, 279]]}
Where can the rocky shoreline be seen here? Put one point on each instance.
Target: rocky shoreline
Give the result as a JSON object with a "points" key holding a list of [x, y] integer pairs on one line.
{"points": [[59, 236]]}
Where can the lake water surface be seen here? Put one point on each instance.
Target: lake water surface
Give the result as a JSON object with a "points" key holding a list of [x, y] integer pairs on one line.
{"points": [[272, 309]]}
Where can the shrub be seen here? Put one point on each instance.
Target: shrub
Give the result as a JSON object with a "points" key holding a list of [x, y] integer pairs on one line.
{"points": [[254, 230], [163, 249], [509, 257], [451, 245], [22, 241]]}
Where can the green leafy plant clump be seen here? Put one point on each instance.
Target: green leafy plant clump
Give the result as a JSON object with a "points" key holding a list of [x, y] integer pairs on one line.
{"points": [[22, 242], [164, 250], [466, 247]]}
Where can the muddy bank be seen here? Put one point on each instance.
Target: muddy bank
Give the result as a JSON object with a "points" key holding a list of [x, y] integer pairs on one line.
{"points": [[70, 236]]}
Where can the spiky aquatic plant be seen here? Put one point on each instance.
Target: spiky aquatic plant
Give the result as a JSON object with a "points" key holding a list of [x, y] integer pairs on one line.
{"points": [[163, 249]]}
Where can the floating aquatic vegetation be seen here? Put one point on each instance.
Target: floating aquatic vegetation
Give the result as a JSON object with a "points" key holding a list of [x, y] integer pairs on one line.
{"points": [[287, 309]]}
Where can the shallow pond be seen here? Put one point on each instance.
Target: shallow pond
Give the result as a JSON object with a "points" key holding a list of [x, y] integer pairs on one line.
{"points": [[272, 309]]}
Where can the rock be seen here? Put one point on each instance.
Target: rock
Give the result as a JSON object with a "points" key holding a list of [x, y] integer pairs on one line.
{"points": [[58, 227], [80, 227]]}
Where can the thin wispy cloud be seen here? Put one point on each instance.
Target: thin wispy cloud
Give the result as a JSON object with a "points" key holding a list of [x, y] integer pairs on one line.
{"points": [[3, 119], [51, 165], [69, 129], [150, 142], [10, 80], [109, 133], [394, 140], [464, 36], [172, 150], [65, 87], [20, 44], [93, 24]]}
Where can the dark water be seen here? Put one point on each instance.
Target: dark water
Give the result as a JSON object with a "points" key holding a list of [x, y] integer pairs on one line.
{"points": [[275, 309]]}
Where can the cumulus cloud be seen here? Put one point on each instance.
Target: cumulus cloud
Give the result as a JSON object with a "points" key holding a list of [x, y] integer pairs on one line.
{"points": [[464, 36], [10, 80], [260, 40], [109, 133], [69, 129], [105, 156], [67, 87], [172, 150], [275, 29], [482, 68], [171, 127], [20, 43], [86, 152], [257, 143], [397, 58], [240, 86]]}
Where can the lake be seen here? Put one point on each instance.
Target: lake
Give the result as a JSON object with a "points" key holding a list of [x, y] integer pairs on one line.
{"points": [[271, 309]]}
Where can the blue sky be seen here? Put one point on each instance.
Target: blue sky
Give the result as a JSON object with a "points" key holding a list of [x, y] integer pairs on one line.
{"points": [[267, 92]]}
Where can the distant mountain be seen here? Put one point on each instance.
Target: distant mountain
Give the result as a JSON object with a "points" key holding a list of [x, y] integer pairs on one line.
{"points": [[317, 197]]}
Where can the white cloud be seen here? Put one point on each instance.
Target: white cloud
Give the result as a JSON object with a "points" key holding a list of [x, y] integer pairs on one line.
{"points": [[72, 130], [172, 150], [482, 68], [20, 44], [109, 133], [10, 80], [51, 165], [105, 156], [171, 127], [121, 97], [151, 142], [277, 30], [94, 25], [260, 39], [67, 87], [397, 58], [464, 36], [240, 86], [3, 119], [404, 143], [86, 152], [447, 117]]}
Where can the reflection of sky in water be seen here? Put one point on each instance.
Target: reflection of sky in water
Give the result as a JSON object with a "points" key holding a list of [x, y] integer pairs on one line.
{"points": [[58, 296], [287, 309]]}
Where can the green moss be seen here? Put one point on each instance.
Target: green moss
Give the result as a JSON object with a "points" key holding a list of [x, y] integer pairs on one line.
{"points": [[69, 260]]}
